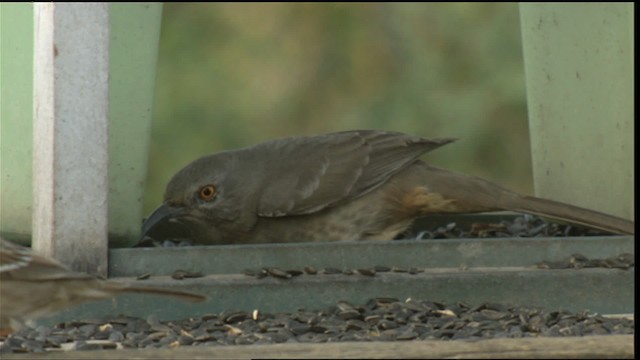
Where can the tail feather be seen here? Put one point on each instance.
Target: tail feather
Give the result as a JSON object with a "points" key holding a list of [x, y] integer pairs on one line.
{"points": [[573, 214], [473, 194]]}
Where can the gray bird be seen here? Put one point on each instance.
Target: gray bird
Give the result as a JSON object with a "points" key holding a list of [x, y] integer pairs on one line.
{"points": [[348, 185]]}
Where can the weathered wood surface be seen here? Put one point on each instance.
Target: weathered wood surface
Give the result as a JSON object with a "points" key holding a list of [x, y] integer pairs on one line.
{"points": [[588, 347]]}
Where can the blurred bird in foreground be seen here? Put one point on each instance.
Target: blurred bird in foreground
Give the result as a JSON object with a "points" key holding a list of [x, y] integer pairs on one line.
{"points": [[32, 286]]}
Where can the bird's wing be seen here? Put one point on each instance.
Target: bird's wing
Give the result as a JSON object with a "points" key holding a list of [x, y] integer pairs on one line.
{"points": [[18, 262], [333, 167], [13, 256]]}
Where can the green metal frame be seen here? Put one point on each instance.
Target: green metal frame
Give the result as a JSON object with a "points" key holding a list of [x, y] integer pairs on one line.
{"points": [[135, 32]]}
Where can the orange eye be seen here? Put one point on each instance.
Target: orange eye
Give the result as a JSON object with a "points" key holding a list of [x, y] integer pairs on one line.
{"points": [[207, 192]]}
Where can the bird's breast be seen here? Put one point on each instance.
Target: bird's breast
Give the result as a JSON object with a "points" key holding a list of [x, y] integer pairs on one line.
{"points": [[363, 218]]}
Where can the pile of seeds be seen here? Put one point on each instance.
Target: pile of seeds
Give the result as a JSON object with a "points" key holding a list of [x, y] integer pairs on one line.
{"points": [[380, 319], [520, 226], [623, 261]]}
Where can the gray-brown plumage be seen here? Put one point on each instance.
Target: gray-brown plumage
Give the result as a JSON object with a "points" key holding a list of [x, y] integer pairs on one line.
{"points": [[32, 286], [347, 185]]}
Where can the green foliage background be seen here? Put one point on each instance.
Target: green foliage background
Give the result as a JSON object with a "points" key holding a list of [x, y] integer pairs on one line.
{"points": [[232, 74]]}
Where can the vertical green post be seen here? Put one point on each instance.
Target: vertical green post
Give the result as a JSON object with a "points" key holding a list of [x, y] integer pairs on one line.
{"points": [[135, 31], [579, 65], [16, 114]]}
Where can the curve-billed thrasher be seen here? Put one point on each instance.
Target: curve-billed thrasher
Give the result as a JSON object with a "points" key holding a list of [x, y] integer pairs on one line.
{"points": [[347, 185], [32, 286]]}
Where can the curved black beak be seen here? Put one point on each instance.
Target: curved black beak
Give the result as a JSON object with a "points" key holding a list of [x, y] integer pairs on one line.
{"points": [[161, 224]]}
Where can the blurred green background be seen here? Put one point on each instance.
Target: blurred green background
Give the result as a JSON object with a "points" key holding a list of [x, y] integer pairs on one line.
{"points": [[230, 75]]}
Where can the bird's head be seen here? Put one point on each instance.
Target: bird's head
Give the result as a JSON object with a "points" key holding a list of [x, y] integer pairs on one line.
{"points": [[199, 200]]}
